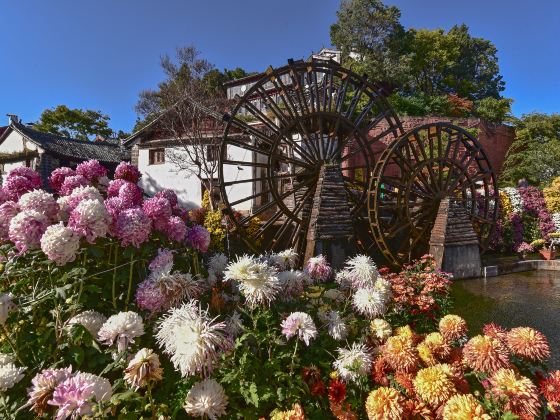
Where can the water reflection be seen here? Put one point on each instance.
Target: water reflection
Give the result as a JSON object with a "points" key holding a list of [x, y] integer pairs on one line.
{"points": [[529, 299]]}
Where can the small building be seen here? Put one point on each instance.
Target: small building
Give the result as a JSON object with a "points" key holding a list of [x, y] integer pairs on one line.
{"points": [[21, 145]]}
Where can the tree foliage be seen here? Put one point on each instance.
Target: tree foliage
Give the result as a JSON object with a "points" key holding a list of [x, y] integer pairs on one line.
{"points": [[535, 153], [75, 123]]}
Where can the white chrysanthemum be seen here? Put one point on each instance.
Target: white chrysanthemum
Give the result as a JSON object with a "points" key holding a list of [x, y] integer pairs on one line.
{"points": [[381, 329], [334, 294], [123, 327], [217, 263], [6, 358], [556, 220], [39, 201], [369, 302], [336, 325], [60, 244], [353, 362], [285, 260], [362, 271], [10, 375], [384, 288], [258, 282], [343, 279], [192, 339], [6, 306], [300, 324], [514, 198], [292, 283], [90, 219], [100, 386], [86, 193], [90, 320], [206, 399], [234, 324], [63, 208]]}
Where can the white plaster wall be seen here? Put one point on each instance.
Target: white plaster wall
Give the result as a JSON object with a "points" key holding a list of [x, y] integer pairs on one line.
{"points": [[14, 143]]}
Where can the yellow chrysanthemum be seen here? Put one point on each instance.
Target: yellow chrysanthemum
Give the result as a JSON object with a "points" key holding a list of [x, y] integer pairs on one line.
{"points": [[400, 354], [381, 329], [485, 354], [296, 413], [464, 407], [505, 202], [528, 343], [426, 354], [405, 331], [520, 394], [385, 404], [434, 385], [452, 327], [437, 345]]}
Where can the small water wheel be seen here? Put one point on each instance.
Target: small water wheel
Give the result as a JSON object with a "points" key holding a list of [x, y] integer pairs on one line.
{"points": [[414, 174]]}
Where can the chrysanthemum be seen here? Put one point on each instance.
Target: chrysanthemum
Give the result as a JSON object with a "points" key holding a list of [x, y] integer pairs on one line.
{"points": [[462, 407], [41, 202], [6, 306], [166, 290], [198, 237], [550, 387], [295, 413], [426, 354], [90, 220], [175, 229], [285, 260], [258, 282], [437, 345], [234, 324], [114, 187], [91, 320], [369, 302], [19, 181], [528, 343], [485, 354], [26, 229], [520, 394], [159, 210], [133, 227], [71, 182], [385, 404], [10, 375], [400, 354], [434, 384], [362, 271], [162, 262], [495, 331], [123, 328], [8, 211], [334, 295], [43, 386], [342, 277], [127, 172], [336, 326], [337, 391], [131, 194], [452, 327], [354, 362], [291, 283], [380, 329], [300, 324], [143, 368], [6, 358], [192, 339], [60, 244], [91, 170], [83, 193], [206, 399], [58, 176], [318, 269], [217, 263]]}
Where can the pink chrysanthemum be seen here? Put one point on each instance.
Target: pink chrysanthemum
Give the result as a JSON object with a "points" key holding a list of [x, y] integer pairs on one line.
{"points": [[58, 176], [520, 394], [301, 325], [26, 229], [181, 212], [3, 196], [40, 201], [318, 269], [90, 219], [8, 211], [71, 182], [133, 227], [82, 193], [131, 194], [198, 237], [495, 331], [91, 170], [19, 181], [528, 343], [114, 187], [452, 327], [166, 291], [175, 229], [162, 262], [128, 172], [485, 354], [169, 195], [550, 387], [159, 210], [43, 386]]}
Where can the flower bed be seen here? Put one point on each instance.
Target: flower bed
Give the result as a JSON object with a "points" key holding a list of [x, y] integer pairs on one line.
{"points": [[109, 308]]}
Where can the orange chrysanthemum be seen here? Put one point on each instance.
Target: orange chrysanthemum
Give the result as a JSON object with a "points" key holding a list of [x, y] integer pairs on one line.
{"points": [[418, 410], [485, 354], [438, 346], [405, 380], [461, 407], [342, 411], [452, 327], [528, 343], [385, 404], [434, 385], [520, 394], [296, 413], [406, 331], [400, 354], [550, 387], [380, 370], [495, 331]]}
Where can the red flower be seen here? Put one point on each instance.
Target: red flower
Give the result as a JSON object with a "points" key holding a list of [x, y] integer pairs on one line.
{"points": [[337, 391], [550, 387]]}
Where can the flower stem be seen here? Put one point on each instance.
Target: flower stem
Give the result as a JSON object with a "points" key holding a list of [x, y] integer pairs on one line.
{"points": [[151, 401], [293, 357], [129, 292], [12, 345], [114, 286]]}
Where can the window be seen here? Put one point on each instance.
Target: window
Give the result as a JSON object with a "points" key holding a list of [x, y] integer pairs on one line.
{"points": [[212, 152], [157, 156]]}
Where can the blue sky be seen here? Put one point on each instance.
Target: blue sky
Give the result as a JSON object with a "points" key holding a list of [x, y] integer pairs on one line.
{"points": [[100, 54]]}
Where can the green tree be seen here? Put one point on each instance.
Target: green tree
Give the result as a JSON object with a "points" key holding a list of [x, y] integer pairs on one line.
{"points": [[535, 152], [74, 123]]}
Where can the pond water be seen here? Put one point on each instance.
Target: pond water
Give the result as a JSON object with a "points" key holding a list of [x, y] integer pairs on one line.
{"points": [[530, 299]]}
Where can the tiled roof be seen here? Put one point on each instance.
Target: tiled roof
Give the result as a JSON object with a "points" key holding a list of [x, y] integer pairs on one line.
{"points": [[109, 152]]}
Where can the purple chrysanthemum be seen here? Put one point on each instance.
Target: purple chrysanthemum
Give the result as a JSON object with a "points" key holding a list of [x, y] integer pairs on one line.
{"points": [[71, 182], [128, 172], [19, 181], [181, 212], [91, 170], [26, 229], [159, 210], [133, 227], [58, 176], [175, 229], [169, 195], [198, 237], [131, 194], [90, 219], [318, 269], [8, 211], [162, 262]]}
